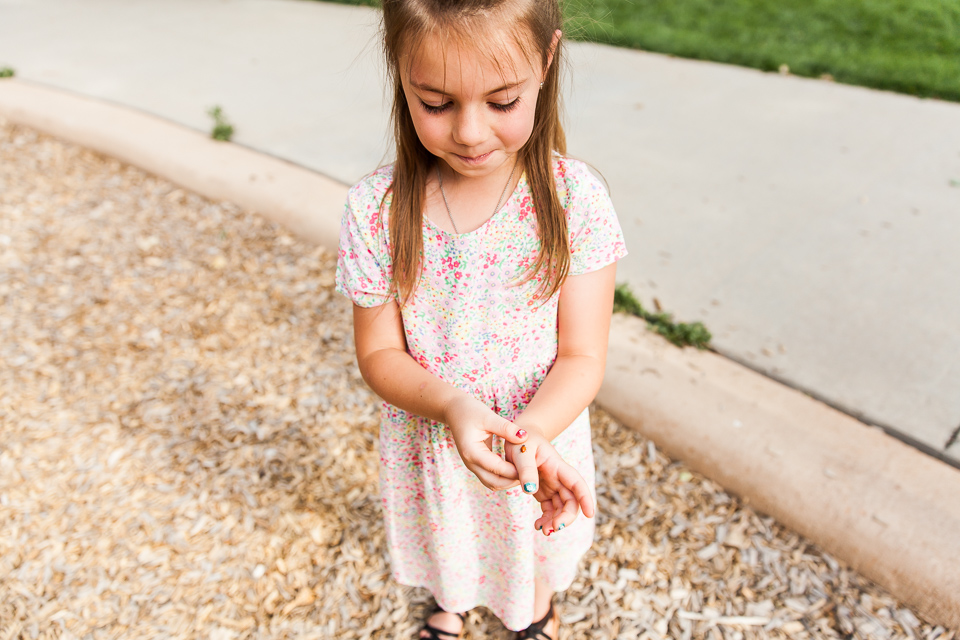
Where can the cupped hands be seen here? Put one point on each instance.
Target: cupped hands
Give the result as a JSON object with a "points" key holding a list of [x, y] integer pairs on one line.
{"points": [[472, 423], [557, 486]]}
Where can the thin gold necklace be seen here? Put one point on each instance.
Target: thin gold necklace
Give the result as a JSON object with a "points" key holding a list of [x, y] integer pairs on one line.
{"points": [[499, 202]]}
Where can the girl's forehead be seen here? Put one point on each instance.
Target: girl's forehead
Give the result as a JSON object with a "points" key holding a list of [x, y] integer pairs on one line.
{"points": [[456, 66]]}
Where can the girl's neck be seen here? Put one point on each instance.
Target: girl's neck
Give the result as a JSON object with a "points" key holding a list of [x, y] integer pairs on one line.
{"points": [[472, 200], [454, 180]]}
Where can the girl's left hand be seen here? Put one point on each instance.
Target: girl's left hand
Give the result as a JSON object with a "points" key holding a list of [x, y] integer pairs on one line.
{"points": [[561, 491], [472, 424]]}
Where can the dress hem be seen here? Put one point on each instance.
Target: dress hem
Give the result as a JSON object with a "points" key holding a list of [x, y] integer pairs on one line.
{"points": [[415, 584]]}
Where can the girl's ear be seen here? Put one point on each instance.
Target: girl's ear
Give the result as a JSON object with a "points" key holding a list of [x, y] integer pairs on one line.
{"points": [[553, 49]]}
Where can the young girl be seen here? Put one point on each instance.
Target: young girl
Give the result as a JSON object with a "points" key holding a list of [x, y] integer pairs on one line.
{"points": [[481, 267]]}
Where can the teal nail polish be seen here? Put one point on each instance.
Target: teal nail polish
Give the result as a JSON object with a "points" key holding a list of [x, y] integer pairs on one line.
{"points": [[530, 487], [561, 526]]}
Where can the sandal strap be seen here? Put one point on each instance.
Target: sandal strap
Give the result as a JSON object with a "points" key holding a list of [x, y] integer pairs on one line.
{"points": [[536, 630], [436, 633], [438, 609]]}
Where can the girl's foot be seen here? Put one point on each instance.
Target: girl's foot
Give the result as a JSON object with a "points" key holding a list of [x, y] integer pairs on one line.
{"points": [[443, 625], [547, 628]]}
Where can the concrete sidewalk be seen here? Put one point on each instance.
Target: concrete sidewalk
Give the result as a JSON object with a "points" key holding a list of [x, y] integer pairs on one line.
{"points": [[880, 506], [812, 226]]}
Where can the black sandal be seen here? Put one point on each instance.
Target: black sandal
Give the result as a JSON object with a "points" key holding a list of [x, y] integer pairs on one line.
{"points": [[536, 630], [436, 633]]}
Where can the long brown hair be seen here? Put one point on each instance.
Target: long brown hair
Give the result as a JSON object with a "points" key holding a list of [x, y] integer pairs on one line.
{"points": [[533, 24]]}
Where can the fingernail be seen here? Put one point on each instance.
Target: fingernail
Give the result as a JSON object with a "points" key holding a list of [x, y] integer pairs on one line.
{"points": [[561, 526], [521, 433], [523, 448], [549, 532], [530, 487], [539, 526]]}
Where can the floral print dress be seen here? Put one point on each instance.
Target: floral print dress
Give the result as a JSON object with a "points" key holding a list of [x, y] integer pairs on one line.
{"points": [[471, 325]]}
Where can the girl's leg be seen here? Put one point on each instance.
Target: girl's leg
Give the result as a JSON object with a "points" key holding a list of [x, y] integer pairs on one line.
{"points": [[444, 621], [542, 595], [541, 599]]}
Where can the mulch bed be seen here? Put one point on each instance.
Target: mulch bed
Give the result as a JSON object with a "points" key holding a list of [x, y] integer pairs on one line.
{"points": [[187, 449]]}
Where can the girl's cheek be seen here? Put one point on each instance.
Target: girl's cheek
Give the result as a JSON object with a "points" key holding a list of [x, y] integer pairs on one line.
{"points": [[518, 130], [429, 130]]}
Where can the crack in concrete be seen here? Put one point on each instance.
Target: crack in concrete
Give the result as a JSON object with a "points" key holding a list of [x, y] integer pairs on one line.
{"points": [[953, 438]]}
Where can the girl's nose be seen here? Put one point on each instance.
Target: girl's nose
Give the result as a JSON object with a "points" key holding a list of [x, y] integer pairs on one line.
{"points": [[468, 129]]}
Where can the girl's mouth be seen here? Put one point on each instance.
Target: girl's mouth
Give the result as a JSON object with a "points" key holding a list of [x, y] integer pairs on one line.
{"points": [[476, 159]]}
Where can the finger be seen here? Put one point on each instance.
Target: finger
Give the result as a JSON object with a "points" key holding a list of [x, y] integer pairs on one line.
{"points": [[544, 523], [572, 480], [508, 431], [540, 523], [482, 458], [568, 513], [494, 482], [525, 461], [556, 505], [557, 502]]}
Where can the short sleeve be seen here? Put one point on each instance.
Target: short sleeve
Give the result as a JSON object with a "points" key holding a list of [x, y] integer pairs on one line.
{"points": [[363, 272], [596, 239]]}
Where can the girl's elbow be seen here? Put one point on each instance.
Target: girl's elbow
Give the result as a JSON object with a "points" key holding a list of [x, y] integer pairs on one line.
{"points": [[599, 369], [376, 367], [367, 363], [601, 374]]}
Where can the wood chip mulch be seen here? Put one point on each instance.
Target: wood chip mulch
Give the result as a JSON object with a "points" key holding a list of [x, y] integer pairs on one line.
{"points": [[187, 449]]}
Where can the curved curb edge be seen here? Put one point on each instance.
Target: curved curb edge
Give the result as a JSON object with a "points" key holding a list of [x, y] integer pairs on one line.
{"points": [[290, 195], [887, 510]]}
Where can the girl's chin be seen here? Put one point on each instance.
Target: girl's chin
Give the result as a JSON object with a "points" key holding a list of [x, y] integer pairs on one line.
{"points": [[490, 162], [476, 161]]}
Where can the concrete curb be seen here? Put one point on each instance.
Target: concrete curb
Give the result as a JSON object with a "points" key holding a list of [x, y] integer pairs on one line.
{"points": [[887, 510], [290, 195]]}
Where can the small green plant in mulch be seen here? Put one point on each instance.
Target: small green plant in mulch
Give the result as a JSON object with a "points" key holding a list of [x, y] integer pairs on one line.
{"points": [[682, 334], [6, 72], [222, 130]]}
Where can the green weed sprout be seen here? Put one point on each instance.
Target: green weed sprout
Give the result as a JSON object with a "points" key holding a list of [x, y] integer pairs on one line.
{"points": [[6, 72], [679, 333], [222, 130]]}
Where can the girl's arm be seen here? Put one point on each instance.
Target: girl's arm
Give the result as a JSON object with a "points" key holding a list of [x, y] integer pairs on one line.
{"points": [[397, 378], [586, 304]]}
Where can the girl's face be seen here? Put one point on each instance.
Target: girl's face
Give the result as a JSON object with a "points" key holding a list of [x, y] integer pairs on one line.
{"points": [[472, 112]]}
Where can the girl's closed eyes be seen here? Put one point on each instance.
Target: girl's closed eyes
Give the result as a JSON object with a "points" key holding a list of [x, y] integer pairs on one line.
{"points": [[507, 107], [435, 109], [497, 106]]}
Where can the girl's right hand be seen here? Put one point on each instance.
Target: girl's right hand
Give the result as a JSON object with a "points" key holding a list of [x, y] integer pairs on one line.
{"points": [[562, 492], [472, 423]]}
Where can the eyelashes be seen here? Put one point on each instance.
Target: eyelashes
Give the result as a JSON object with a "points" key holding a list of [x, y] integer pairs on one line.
{"points": [[429, 108], [506, 108], [496, 106]]}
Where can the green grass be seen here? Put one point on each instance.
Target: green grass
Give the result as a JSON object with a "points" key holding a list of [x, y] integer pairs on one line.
{"points": [[6, 72], [679, 333], [222, 130], [909, 46]]}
